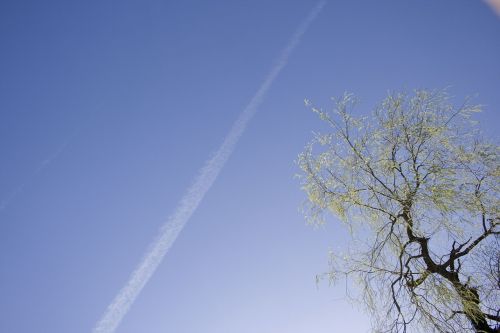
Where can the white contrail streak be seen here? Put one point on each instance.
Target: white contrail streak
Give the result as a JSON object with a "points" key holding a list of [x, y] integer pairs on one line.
{"points": [[195, 193]]}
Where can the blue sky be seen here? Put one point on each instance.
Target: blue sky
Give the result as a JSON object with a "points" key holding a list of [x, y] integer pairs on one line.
{"points": [[109, 108]]}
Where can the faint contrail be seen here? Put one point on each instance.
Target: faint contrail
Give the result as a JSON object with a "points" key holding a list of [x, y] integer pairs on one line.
{"points": [[195, 193], [44, 164]]}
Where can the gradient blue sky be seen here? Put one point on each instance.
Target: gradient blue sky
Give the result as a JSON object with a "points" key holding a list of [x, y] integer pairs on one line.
{"points": [[109, 108]]}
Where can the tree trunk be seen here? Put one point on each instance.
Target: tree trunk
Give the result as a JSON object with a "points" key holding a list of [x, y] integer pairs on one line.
{"points": [[470, 298]]}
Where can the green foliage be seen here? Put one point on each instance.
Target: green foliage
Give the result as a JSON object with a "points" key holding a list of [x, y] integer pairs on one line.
{"points": [[421, 186]]}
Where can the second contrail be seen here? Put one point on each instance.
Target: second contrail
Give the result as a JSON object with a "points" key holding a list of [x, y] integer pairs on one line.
{"points": [[195, 193]]}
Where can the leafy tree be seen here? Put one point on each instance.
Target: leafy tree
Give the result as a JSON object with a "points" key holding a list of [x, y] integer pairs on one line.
{"points": [[418, 189]]}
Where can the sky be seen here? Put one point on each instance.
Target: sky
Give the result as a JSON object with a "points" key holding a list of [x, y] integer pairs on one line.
{"points": [[108, 110]]}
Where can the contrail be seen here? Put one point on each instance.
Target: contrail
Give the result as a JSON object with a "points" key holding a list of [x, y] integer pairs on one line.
{"points": [[45, 163], [42, 166], [195, 193]]}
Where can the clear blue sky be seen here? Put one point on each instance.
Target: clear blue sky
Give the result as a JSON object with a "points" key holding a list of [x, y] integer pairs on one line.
{"points": [[109, 108]]}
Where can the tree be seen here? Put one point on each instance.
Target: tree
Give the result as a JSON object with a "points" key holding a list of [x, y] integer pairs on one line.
{"points": [[417, 187]]}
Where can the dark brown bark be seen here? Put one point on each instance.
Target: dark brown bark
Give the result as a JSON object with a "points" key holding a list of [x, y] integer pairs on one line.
{"points": [[469, 296]]}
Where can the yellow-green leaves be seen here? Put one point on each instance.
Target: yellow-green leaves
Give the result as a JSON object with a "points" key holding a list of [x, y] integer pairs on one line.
{"points": [[417, 182]]}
